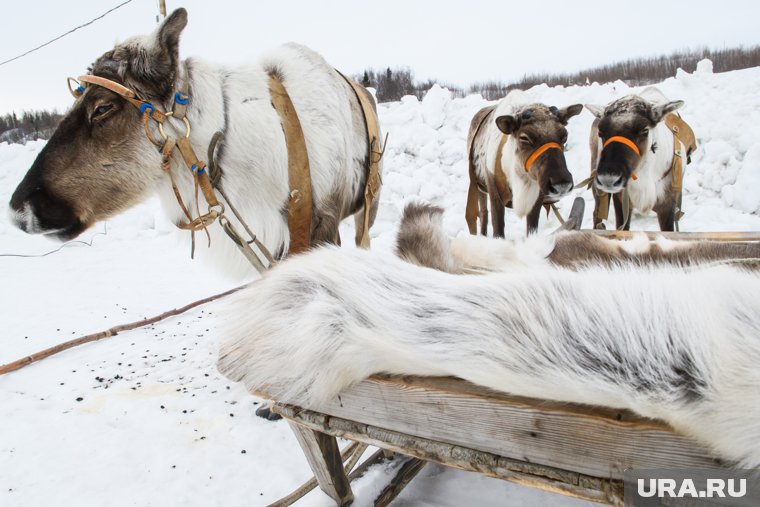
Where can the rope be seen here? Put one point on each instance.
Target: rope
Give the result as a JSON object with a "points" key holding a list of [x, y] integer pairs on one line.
{"points": [[43, 354], [68, 243], [65, 34]]}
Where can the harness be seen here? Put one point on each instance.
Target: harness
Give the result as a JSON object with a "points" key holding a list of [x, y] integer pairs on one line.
{"points": [[300, 204], [682, 135], [500, 177], [374, 154]]}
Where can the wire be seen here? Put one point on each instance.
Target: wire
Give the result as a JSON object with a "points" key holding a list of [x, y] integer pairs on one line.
{"points": [[69, 243], [65, 34]]}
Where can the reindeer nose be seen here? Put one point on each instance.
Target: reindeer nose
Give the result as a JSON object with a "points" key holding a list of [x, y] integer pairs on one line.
{"points": [[559, 187], [20, 216], [611, 183]]}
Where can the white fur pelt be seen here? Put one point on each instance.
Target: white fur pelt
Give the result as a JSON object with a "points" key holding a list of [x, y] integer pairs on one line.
{"points": [[670, 343]]}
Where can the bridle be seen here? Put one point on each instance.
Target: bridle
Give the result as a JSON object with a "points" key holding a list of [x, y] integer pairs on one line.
{"points": [[166, 146]]}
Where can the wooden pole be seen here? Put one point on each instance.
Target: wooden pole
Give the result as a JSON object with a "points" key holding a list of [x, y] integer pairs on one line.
{"points": [[162, 8]]}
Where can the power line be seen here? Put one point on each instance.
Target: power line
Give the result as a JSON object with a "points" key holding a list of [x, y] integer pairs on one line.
{"points": [[67, 33]]}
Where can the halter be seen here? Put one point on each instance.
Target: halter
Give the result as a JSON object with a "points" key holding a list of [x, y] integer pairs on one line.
{"points": [[627, 142], [166, 147], [540, 151]]}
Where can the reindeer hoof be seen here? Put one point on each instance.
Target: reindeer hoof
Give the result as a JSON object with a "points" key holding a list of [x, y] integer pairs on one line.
{"points": [[600, 226], [265, 412]]}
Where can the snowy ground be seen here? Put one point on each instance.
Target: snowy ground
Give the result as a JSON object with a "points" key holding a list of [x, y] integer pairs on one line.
{"points": [[144, 418]]}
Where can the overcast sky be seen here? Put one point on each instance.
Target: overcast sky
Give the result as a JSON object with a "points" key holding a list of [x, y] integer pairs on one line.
{"points": [[456, 41]]}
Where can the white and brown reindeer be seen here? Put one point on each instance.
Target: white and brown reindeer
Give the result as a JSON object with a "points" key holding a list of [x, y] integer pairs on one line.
{"points": [[100, 161], [516, 159], [639, 148]]}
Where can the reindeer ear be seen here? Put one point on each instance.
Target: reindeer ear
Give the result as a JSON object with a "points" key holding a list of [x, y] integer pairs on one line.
{"points": [[597, 111], [568, 112], [660, 110], [508, 124], [169, 32], [153, 63]]}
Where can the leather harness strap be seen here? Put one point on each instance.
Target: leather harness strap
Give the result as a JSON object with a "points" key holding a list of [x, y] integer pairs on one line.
{"points": [[374, 154], [300, 205], [682, 134], [500, 177]]}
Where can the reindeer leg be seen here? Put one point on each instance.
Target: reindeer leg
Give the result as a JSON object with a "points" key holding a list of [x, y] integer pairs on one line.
{"points": [[531, 220], [483, 213], [497, 215], [598, 223], [326, 231], [666, 215], [620, 214]]}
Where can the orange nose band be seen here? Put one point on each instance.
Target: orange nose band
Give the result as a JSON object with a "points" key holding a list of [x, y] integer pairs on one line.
{"points": [[622, 140], [627, 142], [540, 151]]}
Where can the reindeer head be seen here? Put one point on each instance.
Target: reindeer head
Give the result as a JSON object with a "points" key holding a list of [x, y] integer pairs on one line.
{"points": [[625, 129], [540, 136], [99, 161]]}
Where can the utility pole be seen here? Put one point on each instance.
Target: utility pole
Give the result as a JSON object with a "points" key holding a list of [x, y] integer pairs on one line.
{"points": [[161, 11]]}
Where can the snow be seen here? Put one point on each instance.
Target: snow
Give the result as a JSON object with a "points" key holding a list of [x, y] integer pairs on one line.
{"points": [[144, 418]]}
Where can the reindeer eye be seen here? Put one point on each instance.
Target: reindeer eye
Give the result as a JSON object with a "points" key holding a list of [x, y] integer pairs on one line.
{"points": [[644, 132], [101, 111], [525, 139]]}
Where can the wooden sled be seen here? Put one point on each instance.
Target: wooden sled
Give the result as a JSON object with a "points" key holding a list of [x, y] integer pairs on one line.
{"points": [[569, 449], [573, 450]]}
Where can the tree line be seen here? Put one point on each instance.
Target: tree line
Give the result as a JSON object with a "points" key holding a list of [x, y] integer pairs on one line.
{"points": [[644, 71], [30, 126], [392, 84]]}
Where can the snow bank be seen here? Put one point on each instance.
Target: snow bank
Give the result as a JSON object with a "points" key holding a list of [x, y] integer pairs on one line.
{"points": [[426, 154]]}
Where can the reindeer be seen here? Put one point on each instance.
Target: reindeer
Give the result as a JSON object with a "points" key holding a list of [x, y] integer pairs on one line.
{"points": [[101, 161], [668, 342], [639, 158], [516, 160]]}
